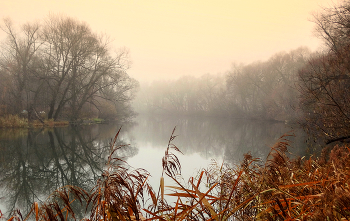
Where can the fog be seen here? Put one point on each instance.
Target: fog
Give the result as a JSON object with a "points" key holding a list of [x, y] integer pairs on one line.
{"points": [[265, 90], [170, 39]]}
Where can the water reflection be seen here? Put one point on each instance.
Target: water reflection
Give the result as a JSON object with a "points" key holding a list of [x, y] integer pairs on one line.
{"points": [[35, 163], [204, 139], [216, 137]]}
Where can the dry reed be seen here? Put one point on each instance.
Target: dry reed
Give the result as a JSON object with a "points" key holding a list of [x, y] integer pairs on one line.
{"points": [[281, 188]]}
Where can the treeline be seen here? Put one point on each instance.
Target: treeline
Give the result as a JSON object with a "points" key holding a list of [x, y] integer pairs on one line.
{"points": [[62, 69], [263, 90]]}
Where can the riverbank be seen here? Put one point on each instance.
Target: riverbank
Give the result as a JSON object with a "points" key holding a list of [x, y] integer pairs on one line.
{"points": [[14, 121]]}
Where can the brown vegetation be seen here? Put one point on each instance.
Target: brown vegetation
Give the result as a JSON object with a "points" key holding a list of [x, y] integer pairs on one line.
{"points": [[15, 121], [280, 189]]}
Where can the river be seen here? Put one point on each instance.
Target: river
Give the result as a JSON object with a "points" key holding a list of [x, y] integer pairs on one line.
{"points": [[34, 163]]}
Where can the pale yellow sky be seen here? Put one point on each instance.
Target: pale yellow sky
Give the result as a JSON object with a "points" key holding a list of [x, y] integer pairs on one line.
{"points": [[171, 38]]}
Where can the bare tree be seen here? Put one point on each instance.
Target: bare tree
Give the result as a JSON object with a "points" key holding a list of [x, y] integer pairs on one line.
{"points": [[19, 53], [332, 25], [63, 67], [325, 96], [80, 68]]}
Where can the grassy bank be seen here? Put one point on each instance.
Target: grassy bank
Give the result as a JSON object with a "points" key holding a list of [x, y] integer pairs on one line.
{"points": [[278, 188], [14, 121]]}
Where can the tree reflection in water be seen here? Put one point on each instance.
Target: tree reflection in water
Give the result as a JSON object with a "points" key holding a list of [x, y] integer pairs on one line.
{"points": [[224, 138], [36, 162]]}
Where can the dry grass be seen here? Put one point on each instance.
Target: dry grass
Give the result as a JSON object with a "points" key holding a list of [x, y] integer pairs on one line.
{"points": [[13, 121], [49, 123], [278, 189]]}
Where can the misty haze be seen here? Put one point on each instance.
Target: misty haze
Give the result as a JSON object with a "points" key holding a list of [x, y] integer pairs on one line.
{"points": [[177, 110]]}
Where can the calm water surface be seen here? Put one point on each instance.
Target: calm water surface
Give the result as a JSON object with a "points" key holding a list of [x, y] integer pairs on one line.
{"points": [[34, 163]]}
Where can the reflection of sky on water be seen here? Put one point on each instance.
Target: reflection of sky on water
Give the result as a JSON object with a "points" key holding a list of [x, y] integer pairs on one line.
{"points": [[213, 138], [150, 158]]}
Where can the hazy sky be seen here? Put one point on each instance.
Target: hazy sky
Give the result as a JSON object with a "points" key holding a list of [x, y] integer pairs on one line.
{"points": [[171, 38]]}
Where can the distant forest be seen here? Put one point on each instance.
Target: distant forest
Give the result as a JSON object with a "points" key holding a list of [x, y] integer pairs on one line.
{"points": [[260, 90]]}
